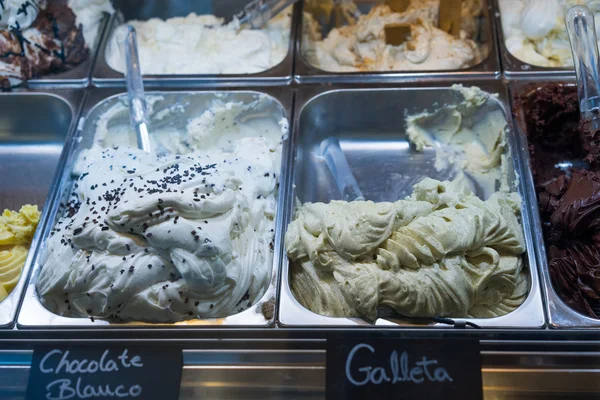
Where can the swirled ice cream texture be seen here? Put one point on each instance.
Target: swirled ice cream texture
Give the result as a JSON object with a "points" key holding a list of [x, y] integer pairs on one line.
{"points": [[205, 44], [164, 239], [440, 252], [361, 45], [469, 137]]}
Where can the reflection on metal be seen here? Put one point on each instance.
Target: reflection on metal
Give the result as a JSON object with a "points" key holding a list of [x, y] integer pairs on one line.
{"points": [[296, 374], [30, 151], [385, 173]]}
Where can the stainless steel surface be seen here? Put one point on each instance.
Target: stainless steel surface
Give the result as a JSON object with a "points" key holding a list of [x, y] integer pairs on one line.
{"points": [[278, 104], [33, 128], [76, 77], [513, 68], [103, 75], [560, 315], [248, 373], [304, 72], [372, 136]]}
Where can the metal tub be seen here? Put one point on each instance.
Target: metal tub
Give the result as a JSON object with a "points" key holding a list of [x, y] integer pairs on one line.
{"points": [[560, 315], [78, 76], [489, 67], [34, 315], [371, 133], [103, 75], [513, 68], [33, 129]]}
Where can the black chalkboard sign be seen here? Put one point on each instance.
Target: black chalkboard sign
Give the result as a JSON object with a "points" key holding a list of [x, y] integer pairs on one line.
{"points": [[383, 368], [104, 372]]}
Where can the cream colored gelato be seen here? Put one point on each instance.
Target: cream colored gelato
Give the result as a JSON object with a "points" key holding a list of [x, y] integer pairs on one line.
{"points": [[204, 44], [440, 252], [469, 138], [361, 45], [168, 238], [535, 31]]}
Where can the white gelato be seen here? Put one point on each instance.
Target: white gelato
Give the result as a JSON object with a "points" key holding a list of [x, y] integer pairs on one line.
{"points": [[440, 252], [89, 14], [535, 31], [167, 238], [361, 45], [204, 44]]}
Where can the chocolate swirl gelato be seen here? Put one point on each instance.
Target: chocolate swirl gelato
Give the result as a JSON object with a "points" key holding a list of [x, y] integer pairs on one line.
{"points": [[565, 159], [43, 36]]}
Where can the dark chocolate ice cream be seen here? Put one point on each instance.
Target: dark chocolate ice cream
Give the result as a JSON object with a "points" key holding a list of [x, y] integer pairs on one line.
{"points": [[52, 42], [565, 159]]}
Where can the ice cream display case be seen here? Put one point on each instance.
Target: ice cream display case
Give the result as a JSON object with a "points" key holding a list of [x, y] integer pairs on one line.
{"points": [[277, 225]]}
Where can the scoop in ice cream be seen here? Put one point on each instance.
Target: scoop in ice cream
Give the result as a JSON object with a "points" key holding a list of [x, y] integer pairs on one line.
{"points": [[40, 37], [535, 31], [204, 44], [168, 238], [568, 194], [361, 45], [440, 252], [16, 234]]}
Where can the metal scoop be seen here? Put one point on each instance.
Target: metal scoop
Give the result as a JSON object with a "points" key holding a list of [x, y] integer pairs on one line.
{"points": [[584, 46], [138, 113], [341, 171], [257, 13]]}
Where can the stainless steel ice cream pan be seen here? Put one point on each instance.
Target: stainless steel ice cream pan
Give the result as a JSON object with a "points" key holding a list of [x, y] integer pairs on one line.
{"points": [[370, 125], [275, 107], [33, 128], [489, 67], [513, 68], [104, 75], [78, 76], [560, 315]]}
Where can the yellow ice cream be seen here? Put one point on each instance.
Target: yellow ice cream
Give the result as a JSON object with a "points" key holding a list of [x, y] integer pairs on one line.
{"points": [[16, 233]]}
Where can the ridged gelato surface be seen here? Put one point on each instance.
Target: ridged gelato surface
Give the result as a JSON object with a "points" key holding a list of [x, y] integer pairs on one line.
{"points": [[440, 252], [164, 238]]}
